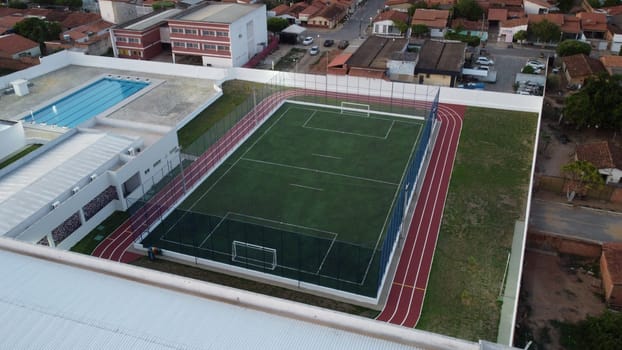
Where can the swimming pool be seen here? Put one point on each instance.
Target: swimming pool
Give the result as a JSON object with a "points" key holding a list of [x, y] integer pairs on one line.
{"points": [[82, 105]]}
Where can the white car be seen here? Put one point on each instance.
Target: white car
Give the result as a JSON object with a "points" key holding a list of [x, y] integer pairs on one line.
{"points": [[535, 64], [484, 61], [307, 41], [314, 50]]}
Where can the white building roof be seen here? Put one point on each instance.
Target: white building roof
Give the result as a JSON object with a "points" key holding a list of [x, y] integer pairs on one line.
{"points": [[220, 13], [294, 29], [38, 183], [155, 19], [53, 299]]}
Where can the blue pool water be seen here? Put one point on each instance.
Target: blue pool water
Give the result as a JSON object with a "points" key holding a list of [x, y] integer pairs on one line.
{"points": [[86, 103]]}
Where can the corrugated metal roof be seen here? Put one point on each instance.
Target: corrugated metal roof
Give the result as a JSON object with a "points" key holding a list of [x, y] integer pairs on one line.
{"points": [[38, 183], [152, 20], [50, 305], [221, 13]]}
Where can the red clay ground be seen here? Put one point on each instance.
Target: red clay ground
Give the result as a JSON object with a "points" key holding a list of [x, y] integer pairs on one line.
{"points": [[554, 289]]}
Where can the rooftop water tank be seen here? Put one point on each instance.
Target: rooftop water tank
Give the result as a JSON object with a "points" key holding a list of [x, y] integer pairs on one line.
{"points": [[20, 86]]}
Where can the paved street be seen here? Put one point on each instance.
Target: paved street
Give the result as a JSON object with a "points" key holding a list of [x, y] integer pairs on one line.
{"points": [[354, 27], [564, 219]]}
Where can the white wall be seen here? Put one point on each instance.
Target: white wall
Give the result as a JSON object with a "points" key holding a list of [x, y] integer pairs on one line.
{"points": [[616, 43], [239, 36], [12, 138], [401, 67], [532, 8], [510, 31], [117, 12]]}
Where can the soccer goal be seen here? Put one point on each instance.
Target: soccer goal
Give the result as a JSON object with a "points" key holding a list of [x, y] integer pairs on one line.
{"points": [[254, 255], [354, 108]]}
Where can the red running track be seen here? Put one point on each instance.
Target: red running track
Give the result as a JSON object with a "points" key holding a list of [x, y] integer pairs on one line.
{"points": [[408, 289]]}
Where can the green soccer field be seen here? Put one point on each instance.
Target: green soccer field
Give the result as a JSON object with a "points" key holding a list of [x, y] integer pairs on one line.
{"points": [[307, 196]]}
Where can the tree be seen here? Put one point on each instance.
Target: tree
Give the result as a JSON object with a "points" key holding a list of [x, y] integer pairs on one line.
{"points": [[38, 30], [520, 36], [601, 332], [582, 176], [162, 5], [597, 104], [545, 31], [74, 4], [573, 47], [420, 30], [402, 26], [276, 24], [528, 70], [415, 6], [16, 4], [468, 9]]}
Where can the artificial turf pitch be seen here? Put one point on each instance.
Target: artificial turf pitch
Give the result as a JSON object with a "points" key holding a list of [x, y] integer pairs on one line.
{"points": [[316, 185]]}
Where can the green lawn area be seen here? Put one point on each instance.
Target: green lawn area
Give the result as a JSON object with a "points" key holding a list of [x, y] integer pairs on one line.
{"points": [[235, 92], [19, 155], [487, 194], [93, 238]]}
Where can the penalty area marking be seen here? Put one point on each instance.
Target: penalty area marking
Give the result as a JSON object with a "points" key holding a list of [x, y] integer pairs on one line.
{"points": [[324, 156], [307, 187]]}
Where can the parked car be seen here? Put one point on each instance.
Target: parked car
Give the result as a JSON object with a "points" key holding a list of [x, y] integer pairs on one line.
{"points": [[484, 61], [314, 50], [535, 64], [329, 42], [307, 41], [483, 68], [343, 44]]}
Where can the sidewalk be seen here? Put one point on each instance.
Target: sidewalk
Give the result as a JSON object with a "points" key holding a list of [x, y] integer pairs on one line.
{"points": [[587, 203]]}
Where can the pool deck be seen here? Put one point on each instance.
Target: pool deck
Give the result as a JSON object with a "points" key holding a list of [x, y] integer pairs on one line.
{"points": [[165, 105]]}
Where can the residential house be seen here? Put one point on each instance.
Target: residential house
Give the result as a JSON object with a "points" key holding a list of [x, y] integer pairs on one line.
{"points": [[143, 37], [122, 11], [370, 59], [288, 11], [8, 22], [441, 3], [223, 35], [78, 19], [614, 37], [92, 39], [508, 28], [497, 15], [339, 64], [385, 23], [472, 28], [435, 20], [579, 67], [401, 66], [15, 46], [538, 7], [612, 63], [399, 5], [605, 156], [329, 16], [440, 63], [594, 29], [569, 25], [611, 272]]}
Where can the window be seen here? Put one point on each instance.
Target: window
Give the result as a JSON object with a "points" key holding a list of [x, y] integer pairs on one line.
{"points": [[222, 34], [178, 44], [176, 30], [133, 40], [190, 31], [209, 47], [223, 47], [121, 40], [209, 33], [192, 45]]}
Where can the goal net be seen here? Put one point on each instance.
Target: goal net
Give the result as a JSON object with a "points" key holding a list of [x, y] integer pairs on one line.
{"points": [[354, 108], [254, 255]]}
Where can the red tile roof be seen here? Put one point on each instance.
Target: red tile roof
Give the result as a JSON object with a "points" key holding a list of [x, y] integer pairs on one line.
{"points": [[469, 25], [581, 65], [497, 14], [541, 3], [8, 22], [567, 23], [281, 9], [511, 23], [340, 60], [431, 18], [12, 44], [76, 19], [398, 2], [611, 61], [593, 22], [599, 154], [613, 10], [392, 15]]}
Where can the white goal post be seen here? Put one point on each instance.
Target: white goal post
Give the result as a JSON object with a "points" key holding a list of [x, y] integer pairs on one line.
{"points": [[254, 255], [354, 108]]}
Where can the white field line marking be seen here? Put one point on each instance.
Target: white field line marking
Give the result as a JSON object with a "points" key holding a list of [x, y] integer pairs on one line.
{"points": [[345, 132], [214, 229], [326, 255], [226, 172], [393, 203], [319, 171], [391, 128], [309, 119], [325, 156], [307, 187]]}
